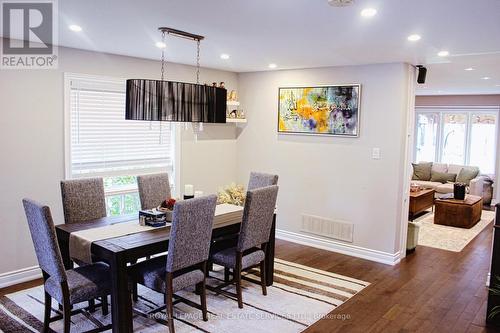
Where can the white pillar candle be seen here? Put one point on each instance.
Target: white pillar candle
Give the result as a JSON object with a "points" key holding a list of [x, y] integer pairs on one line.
{"points": [[198, 194], [188, 189]]}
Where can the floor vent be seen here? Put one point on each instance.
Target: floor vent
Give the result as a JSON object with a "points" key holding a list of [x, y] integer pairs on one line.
{"points": [[321, 226]]}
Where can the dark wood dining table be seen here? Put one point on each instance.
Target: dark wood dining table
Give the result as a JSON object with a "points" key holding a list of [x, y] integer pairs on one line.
{"points": [[118, 252]]}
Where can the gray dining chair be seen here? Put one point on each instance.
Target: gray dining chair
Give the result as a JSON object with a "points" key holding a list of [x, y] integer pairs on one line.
{"points": [[153, 189], [258, 180], [83, 199], [68, 287], [251, 248], [185, 263]]}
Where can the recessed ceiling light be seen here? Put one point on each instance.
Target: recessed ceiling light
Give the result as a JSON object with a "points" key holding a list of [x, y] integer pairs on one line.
{"points": [[272, 66], [443, 53], [75, 28], [161, 45], [414, 38], [469, 69], [368, 12], [486, 78], [224, 56]]}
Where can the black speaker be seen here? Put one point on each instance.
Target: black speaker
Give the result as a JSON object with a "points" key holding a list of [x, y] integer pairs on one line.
{"points": [[422, 73]]}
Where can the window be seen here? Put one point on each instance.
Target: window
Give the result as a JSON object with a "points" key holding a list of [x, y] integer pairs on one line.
{"points": [[464, 136], [101, 143], [453, 151], [426, 136]]}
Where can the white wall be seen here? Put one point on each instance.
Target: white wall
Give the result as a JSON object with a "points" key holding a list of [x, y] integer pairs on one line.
{"points": [[32, 140], [333, 177]]}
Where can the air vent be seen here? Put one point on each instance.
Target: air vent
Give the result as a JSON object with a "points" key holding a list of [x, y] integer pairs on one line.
{"points": [[324, 227], [340, 3]]}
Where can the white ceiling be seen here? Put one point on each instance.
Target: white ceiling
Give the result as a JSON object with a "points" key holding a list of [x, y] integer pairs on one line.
{"points": [[302, 34]]}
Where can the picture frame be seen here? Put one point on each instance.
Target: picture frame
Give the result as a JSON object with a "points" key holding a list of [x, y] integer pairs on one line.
{"points": [[331, 110]]}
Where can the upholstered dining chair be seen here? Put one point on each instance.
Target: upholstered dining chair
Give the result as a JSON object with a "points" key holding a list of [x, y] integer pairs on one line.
{"points": [[188, 250], [68, 287], [255, 231], [258, 180], [153, 189], [83, 199]]}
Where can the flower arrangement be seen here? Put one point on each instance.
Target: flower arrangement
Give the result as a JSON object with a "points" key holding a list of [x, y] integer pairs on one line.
{"points": [[167, 204], [232, 194]]}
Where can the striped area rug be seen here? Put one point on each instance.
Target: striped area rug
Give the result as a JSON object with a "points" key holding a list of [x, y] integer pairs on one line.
{"points": [[299, 297]]}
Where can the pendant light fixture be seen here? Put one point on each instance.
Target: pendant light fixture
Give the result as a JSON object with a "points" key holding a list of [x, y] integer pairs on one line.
{"points": [[160, 100]]}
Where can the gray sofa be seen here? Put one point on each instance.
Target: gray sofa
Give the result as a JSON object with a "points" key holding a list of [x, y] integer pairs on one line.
{"points": [[476, 186]]}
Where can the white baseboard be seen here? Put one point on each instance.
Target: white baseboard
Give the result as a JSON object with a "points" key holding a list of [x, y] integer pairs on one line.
{"points": [[343, 248], [19, 276]]}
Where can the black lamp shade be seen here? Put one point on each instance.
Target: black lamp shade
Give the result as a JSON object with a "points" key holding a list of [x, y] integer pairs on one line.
{"points": [[155, 100]]}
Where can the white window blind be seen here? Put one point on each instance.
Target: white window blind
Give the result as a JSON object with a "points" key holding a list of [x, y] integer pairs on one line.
{"points": [[103, 143]]}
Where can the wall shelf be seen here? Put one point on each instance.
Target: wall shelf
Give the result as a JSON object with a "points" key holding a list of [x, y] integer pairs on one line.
{"points": [[233, 103], [236, 120]]}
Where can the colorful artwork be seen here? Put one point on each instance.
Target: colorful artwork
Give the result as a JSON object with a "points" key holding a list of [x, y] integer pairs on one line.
{"points": [[332, 110]]}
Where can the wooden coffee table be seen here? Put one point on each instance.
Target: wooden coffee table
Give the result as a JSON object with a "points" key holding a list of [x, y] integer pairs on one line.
{"points": [[420, 201], [458, 213]]}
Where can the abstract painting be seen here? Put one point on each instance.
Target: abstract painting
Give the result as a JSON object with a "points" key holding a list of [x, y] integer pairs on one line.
{"points": [[329, 110]]}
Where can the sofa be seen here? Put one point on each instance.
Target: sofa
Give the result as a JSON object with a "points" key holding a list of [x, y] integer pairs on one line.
{"points": [[475, 185]]}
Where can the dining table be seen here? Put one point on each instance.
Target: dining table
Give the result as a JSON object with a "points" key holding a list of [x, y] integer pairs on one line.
{"points": [[119, 252]]}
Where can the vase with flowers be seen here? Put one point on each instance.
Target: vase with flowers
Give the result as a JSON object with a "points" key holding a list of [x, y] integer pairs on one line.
{"points": [[167, 207]]}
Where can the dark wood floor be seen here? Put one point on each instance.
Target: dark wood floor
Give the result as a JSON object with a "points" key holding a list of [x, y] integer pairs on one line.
{"points": [[430, 291]]}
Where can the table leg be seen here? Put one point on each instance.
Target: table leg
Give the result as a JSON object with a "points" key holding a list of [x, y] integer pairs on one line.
{"points": [[270, 254], [120, 296], [64, 248]]}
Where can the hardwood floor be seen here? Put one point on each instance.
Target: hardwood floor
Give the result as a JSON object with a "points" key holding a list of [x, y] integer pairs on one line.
{"points": [[430, 291]]}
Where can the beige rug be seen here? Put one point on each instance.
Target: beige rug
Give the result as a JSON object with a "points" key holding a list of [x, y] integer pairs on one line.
{"points": [[299, 297], [449, 238]]}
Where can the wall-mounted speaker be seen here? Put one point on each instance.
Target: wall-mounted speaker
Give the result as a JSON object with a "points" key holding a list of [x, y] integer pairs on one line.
{"points": [[422, 73]]}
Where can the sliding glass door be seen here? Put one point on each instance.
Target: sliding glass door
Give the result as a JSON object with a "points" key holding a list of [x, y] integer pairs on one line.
{"points": [[464, 136]]}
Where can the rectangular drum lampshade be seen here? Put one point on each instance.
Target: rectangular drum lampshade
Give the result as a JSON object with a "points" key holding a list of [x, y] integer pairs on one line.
{"points": [[155, 100]]}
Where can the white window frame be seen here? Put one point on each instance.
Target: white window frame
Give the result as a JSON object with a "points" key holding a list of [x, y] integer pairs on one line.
{"points": [[67, 140], [468, 111]]}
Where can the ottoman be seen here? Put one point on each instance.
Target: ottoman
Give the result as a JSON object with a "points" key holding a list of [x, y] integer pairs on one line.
{"points": [[458, 213]]}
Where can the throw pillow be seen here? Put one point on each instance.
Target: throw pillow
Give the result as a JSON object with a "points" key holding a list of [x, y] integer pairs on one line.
{"points": [[466, 175], [443, 177], [422, 171]]}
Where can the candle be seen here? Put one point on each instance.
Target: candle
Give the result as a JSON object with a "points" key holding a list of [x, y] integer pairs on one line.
{"points": [[198, 194], [188, 190]]}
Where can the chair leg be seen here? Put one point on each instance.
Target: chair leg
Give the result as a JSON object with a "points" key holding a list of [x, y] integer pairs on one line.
{"points": [[237, 279], [47, 312], [66, 307], [169, 302], [135, 294], [104, 305], [203, 299], [226, 274], [91, 305], [67, 316], [263, 277]]}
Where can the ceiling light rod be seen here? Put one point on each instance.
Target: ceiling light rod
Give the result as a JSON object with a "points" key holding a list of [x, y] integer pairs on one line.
{"points": [[181, 34]]}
